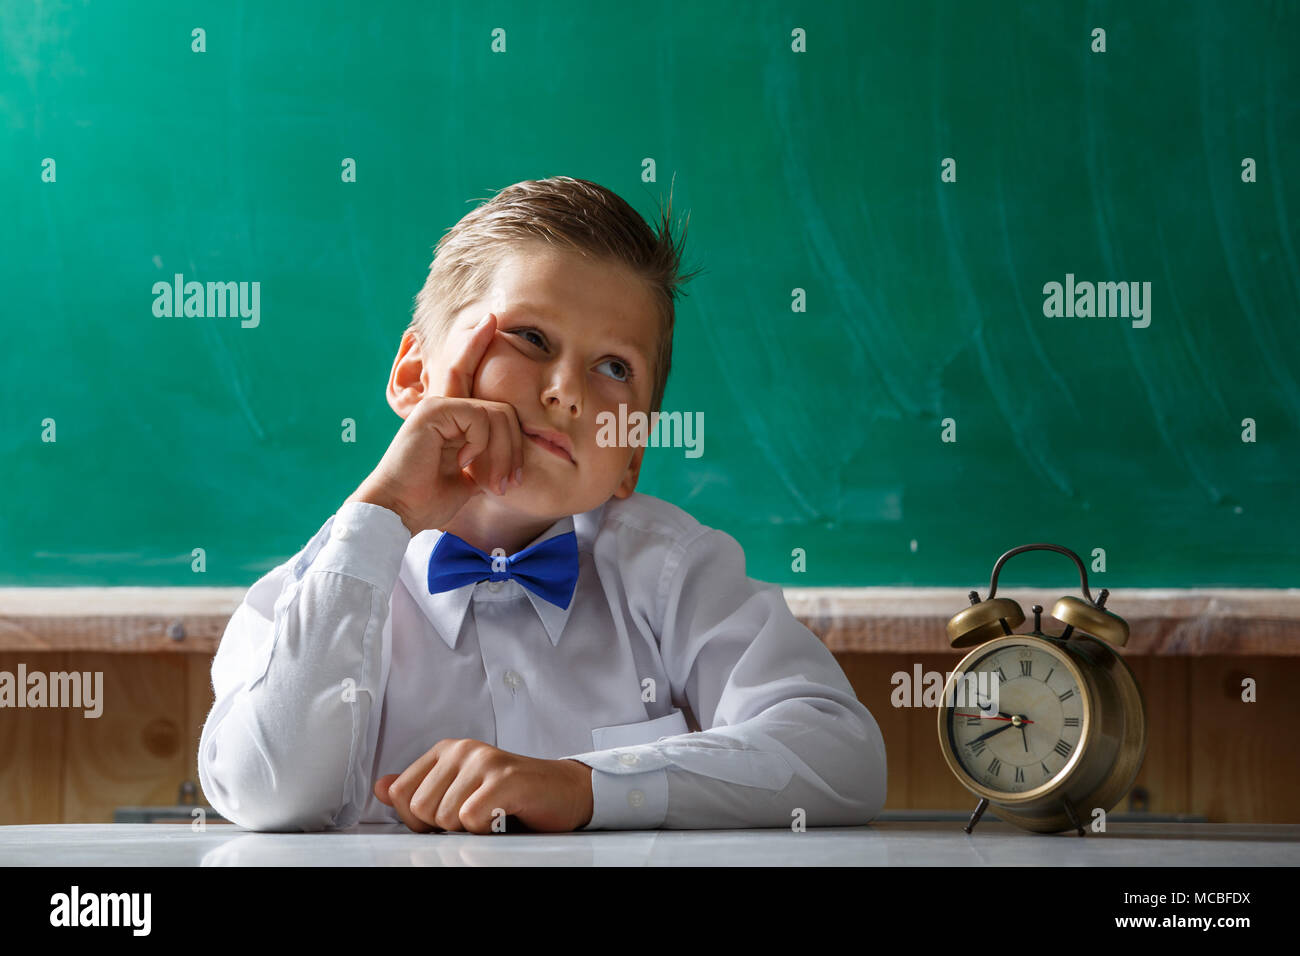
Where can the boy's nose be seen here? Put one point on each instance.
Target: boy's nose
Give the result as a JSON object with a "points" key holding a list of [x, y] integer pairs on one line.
{"points": [[564, 388]]}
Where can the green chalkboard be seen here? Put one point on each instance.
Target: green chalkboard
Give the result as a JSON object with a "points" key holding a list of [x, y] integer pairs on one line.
{"points": [[879, 194]]}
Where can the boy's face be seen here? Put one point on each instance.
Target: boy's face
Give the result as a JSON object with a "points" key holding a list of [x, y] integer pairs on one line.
{"points": [[575, 338]]}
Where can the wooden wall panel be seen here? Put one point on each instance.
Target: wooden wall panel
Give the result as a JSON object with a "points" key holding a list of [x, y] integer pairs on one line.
{"points": [[1244, 757], [918, 777], [198, 702], [1208, 753], [134, 754], [31, 751], [1164, 772]]}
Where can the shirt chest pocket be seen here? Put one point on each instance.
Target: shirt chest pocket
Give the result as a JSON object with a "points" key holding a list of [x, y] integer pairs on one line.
{"points": [[639, 732]]}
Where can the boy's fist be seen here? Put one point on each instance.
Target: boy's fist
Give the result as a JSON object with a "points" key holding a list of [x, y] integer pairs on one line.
{"points": [[468, 785], [451, 447]]}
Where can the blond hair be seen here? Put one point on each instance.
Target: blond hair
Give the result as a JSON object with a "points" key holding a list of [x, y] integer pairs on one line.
{"points": [[570, 214]]}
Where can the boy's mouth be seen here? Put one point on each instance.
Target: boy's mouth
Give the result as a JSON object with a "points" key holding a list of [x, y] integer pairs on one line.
{"points": [[550, 446]]}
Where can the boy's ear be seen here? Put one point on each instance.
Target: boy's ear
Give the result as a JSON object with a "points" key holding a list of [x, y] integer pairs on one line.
{"points": [[406, 380], [628, 484]]}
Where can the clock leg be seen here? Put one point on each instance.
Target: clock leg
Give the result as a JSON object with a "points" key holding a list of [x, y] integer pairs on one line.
{"points": [[979, 812], [1069, 812]]}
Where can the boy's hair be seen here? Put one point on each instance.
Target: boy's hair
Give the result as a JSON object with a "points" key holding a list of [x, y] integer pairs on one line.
{"points": [[570, 214]]}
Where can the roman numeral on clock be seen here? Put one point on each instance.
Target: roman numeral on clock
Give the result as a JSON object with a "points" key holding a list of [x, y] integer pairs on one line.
{"points": [[1072, 721], [995, 767], [1067, 695], [1020, 775], [1001, 674], [1062, 748], [1025, 668], [972, 721]]}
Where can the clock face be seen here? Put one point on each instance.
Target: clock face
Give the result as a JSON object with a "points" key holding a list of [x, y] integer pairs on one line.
{"points": [[1038, 725]]}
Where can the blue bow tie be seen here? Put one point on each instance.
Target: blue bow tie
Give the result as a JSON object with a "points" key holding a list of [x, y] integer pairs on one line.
{"points": [[549, 568]]}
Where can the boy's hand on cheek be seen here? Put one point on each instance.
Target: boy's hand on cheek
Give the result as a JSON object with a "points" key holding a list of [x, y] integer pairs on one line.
{"points": [[467, 784], [458, 382], [451, 447], [467, 347]]}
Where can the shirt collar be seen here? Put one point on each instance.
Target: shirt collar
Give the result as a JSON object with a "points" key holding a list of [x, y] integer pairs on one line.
{"points": [[446, 609]]}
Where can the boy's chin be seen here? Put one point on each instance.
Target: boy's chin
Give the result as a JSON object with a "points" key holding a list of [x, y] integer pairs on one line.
{"points": [[546, 503], [529, 502]]}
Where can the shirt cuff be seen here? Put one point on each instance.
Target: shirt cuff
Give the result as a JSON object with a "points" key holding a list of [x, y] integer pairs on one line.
{"points": [[629, 788], [364, 541]]}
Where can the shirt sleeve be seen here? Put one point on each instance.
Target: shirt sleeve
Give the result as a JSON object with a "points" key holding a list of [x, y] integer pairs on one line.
{"points": [[296, 677], [787, 740]]}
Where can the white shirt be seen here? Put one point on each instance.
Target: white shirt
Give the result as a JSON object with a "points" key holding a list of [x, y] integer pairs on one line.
{"points": [[339, 667]]}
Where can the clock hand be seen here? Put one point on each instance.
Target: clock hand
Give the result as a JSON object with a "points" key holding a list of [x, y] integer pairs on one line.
{"points": [[982, 707], [1001, 716], [995, 730], [1024, 736]]}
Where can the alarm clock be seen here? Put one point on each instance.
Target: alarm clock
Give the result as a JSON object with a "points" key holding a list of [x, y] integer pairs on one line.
{"points": [[1068, 734]]}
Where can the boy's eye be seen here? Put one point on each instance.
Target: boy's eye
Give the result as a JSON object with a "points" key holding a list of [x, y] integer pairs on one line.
{"points": [[541, 342], [622, 374]]}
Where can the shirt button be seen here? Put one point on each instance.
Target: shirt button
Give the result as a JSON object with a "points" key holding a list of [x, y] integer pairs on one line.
{"points": [[636, 799], [628, 759], [513, 680], [341, 531]]}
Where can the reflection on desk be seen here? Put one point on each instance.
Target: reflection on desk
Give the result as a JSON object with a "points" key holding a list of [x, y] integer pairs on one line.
{"points": [[891, 843]]}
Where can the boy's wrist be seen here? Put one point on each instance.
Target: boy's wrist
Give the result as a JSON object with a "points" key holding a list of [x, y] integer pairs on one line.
{"points": [[372, 496], [583, 773]]}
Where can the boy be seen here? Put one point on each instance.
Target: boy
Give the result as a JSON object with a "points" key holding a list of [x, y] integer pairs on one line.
{"points": [[495, 623]]}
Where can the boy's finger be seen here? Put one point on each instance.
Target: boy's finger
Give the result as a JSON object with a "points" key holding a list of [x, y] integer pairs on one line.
{"points": [[466, 428], [406, 783], [460, 377], [504, 450], [430, 795], [517, 440], [486, 455], [381, 788]]}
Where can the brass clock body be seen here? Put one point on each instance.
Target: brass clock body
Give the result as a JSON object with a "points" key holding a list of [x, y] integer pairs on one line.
{"points": [[1089, 702]]}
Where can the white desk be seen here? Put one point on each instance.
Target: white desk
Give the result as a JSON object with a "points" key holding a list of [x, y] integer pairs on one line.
{"points": [[882, 844]]}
